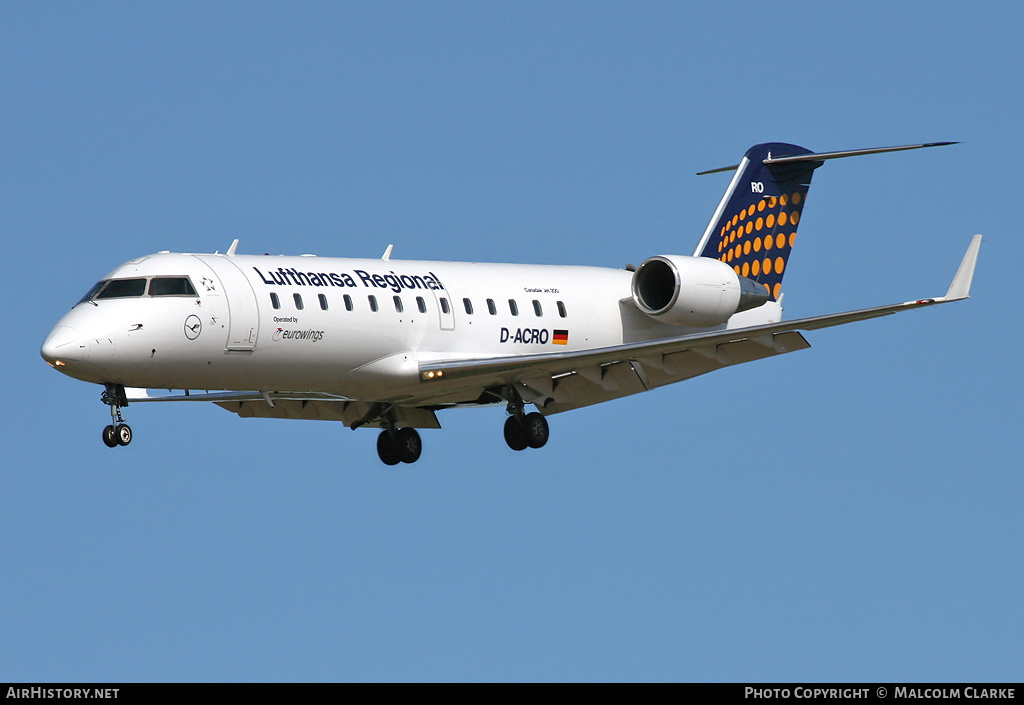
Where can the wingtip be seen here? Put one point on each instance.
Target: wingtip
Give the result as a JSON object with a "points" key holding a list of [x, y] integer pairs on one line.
{"points": [[960, 288]]}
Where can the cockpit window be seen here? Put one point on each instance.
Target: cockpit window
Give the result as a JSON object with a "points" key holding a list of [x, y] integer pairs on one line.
{"points": [[121, 288], [92, 292], [136, 287], [171, 286]]}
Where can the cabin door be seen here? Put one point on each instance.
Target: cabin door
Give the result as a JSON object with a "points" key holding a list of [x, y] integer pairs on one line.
{"points": [[243, 315]]}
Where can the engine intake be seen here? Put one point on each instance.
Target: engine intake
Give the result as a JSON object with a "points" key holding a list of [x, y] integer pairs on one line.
{"points": [[693, 291]]}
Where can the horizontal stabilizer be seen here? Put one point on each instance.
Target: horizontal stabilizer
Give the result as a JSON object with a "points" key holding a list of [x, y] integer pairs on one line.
{"points": [[822, 156]]}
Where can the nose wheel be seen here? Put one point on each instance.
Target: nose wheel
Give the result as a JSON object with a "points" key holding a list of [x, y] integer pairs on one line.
{"points": [[117, 433]]}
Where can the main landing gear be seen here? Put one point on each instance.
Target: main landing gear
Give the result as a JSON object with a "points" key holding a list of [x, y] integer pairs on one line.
{"points": [[118, 433], [523, 430], [401, 445], [394, 445]]}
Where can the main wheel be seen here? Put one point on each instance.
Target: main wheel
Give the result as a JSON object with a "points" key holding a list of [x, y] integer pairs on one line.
{"points": [[408, 445], [386, 450], [535, 429], [110, 437], [124, 434], [514, 435]]}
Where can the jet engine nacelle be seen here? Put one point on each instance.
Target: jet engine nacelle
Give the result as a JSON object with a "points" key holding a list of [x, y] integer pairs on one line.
{"points": [[693, 291]]}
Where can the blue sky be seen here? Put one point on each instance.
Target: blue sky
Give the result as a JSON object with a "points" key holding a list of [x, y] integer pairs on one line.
{"points": [[850, 512]]}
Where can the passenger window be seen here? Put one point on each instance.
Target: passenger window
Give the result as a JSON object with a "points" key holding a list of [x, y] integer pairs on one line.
{"points": [[171, 286], [491, 308], [537, 309], [561, 309], [323, 301], [421, 304], [398, 304], [373, 302], [469, 306], [445, 308], [348, 302], [274, 301], [513, 307], [298, 301], [123, 288]]}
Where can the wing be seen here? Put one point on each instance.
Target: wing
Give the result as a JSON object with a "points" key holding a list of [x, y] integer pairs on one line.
{"points": [[316, 406], [561, 381]]}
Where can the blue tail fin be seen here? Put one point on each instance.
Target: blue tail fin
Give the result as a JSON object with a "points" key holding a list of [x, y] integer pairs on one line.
{"points": [[755, 225]]}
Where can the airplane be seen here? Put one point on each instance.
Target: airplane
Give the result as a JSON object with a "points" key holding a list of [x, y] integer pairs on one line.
{"points": [[388, 343]]}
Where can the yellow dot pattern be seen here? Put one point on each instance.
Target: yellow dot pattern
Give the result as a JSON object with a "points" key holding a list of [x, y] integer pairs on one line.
{"points": [[755, 239]]}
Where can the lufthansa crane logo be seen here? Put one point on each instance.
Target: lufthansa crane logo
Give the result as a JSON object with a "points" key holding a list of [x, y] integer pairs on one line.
{"points": [[193, 327]]}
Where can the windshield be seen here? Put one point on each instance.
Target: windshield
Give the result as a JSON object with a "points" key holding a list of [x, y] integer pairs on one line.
{"points": [[121, 288], [92, 292], [171, 286], [137, 287]]}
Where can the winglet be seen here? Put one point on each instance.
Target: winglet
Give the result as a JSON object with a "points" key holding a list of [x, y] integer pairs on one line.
{"points": [[231, 250], [961, 286], [387, 253]]}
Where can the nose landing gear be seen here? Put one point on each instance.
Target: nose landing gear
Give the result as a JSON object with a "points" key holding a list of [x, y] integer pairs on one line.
{"points": [[118, 433]]}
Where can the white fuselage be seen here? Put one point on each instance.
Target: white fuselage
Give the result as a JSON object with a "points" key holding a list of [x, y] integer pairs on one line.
{"points": [[353, 327], [388, 343]]}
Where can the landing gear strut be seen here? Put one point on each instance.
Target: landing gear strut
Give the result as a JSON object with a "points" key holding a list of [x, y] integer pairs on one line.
{"points": [[118, 433], [523, 430]]}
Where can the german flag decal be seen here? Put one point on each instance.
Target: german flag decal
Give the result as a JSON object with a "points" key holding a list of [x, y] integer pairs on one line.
{"points": [[560, 337]]}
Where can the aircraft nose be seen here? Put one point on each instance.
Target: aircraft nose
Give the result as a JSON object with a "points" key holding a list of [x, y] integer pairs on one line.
{"points": [[64, 344]]}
